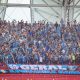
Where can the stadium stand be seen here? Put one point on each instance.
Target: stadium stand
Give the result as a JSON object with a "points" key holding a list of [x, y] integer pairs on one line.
{"points": [[40, 43]]}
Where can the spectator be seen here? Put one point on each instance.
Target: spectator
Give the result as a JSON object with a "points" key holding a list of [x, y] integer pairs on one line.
{"points": [[43, 43]]}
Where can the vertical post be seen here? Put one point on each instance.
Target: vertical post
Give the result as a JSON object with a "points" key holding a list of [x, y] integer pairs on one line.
{"points": [[68, 12], [5, 10], [73, 11], [65, 11], [31, 12]]}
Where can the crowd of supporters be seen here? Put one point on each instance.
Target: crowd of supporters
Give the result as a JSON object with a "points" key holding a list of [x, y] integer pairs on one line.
{"points": [[39, 43]]}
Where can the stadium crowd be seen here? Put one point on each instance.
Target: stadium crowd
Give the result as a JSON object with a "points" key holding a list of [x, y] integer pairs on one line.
{"points": [[40, 43]]}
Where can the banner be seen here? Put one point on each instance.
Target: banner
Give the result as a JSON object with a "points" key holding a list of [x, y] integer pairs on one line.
{"points": [[47, 69]]}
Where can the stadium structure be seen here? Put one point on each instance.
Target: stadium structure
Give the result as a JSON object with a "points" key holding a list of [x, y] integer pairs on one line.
{"points": [[39, 39]]}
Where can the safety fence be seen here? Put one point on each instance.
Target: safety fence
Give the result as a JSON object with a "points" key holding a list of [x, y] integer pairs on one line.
{"points": [[42, 69]]}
